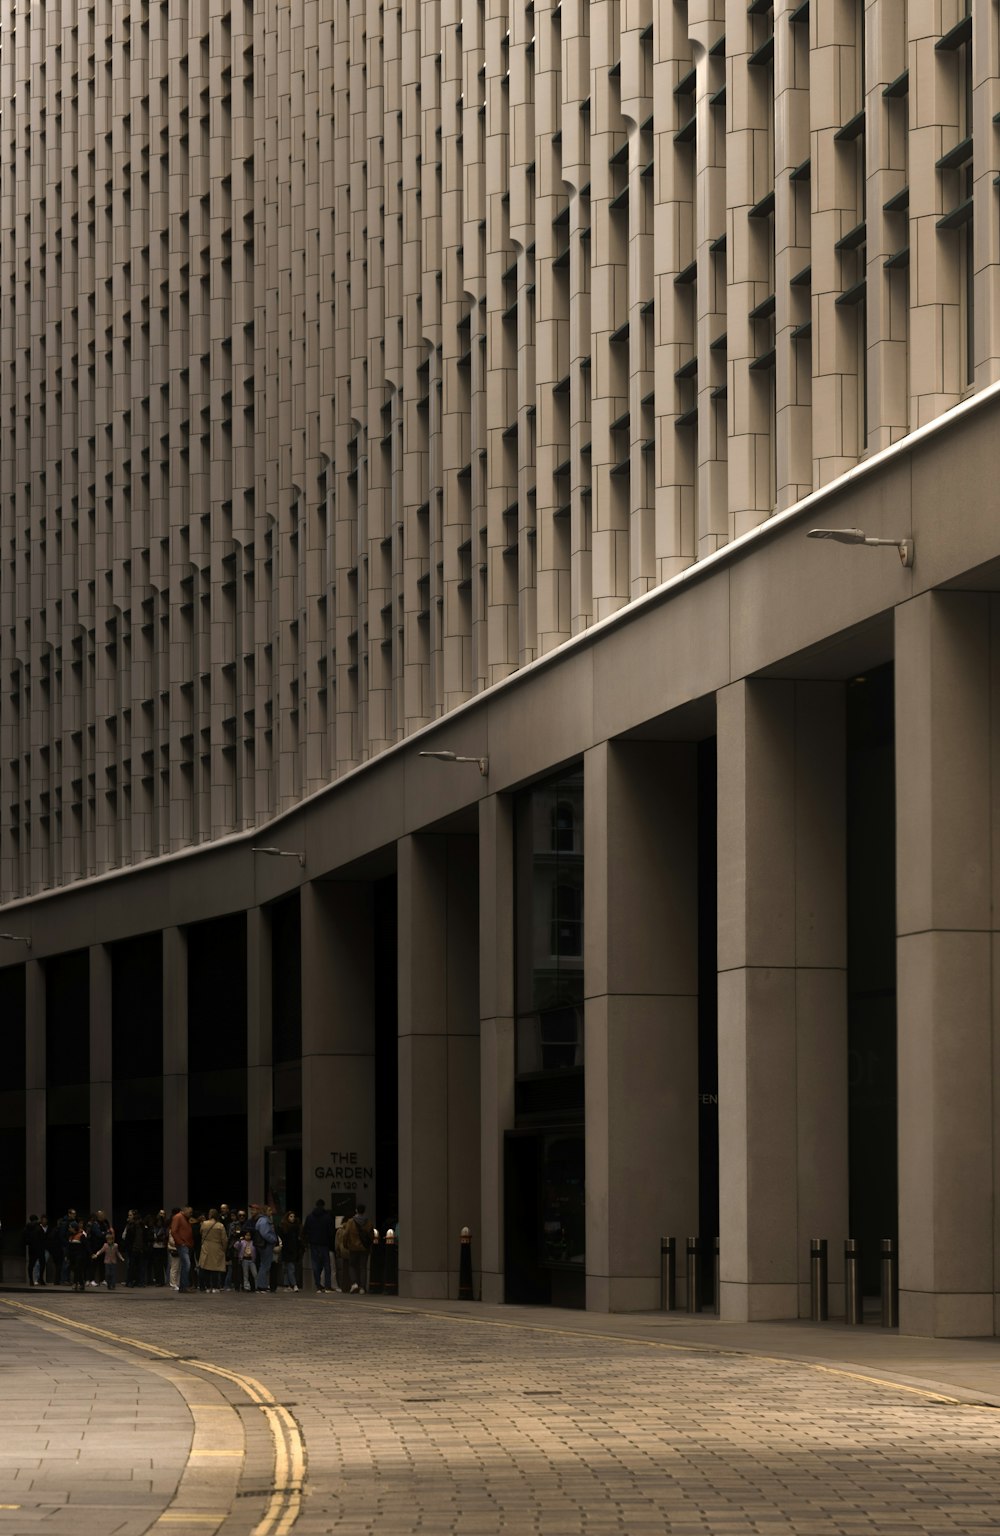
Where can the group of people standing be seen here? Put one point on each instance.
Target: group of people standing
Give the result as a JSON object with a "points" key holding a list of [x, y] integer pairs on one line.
{"points": [[206, 1251]]}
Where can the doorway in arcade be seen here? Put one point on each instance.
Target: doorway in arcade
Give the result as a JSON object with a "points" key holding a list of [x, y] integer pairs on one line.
{"points": [[544, 1212], [871, 967]]}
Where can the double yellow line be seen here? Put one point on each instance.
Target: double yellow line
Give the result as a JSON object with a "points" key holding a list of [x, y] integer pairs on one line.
{"points": [[289, 1452], [289, 1449]]}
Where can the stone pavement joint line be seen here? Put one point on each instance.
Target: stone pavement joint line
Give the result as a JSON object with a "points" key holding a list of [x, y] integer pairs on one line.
{"points": [[416, 1421]]}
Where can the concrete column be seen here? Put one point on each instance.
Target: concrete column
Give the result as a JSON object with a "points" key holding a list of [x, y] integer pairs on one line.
{"points": [[641, 1014], [259, 1087], [438, 1059], [782, 991], [175, 1067], [100, 1077], [947, 887], [338, 1045], [34, 1082], [496, 1029]]}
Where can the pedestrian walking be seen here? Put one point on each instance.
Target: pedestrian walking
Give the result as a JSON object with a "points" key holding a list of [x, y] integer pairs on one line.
{"points": [[358, 1240]]}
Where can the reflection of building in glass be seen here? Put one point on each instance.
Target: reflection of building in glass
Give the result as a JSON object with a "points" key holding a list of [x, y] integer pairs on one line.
{"points": [[550, 926], [563, 1208]]}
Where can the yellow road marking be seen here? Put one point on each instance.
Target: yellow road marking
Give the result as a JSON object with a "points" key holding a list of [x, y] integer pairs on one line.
{"points": [[188, 1518], [289, 1449]]}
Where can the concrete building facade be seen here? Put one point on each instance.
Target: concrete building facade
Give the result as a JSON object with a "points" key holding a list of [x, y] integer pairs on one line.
{"points": [[388, 379]]}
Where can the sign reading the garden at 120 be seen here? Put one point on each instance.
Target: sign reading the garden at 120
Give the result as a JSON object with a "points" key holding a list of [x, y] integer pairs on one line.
{"points": [[345, 1173]]}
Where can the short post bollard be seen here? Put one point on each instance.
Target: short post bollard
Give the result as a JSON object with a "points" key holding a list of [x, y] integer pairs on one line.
{"points": [[818, 1291], [390, 1284], [668, 1274], [854, 1311], [465, 1267], [890, 1313], [693, 1275], [376, 1266], [717, 1278]]}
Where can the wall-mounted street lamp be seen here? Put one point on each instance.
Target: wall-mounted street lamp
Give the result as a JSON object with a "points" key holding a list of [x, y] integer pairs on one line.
{"points": [[18, 938], [483, 763], [282, 853], [903, 547]]}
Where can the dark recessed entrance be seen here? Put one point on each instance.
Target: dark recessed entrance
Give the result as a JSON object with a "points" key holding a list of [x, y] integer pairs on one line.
{"points": [[871, 966]]}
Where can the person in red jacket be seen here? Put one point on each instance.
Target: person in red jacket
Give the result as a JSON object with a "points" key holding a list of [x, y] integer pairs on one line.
{"points": [[180, 1231]]}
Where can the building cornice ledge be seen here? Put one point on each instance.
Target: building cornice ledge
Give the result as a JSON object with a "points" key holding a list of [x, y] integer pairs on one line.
{"points": [[698, 570]]}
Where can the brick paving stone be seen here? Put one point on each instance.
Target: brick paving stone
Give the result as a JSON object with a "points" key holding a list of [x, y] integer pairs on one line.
{"points": [[415, 1422], [80, 1431]]}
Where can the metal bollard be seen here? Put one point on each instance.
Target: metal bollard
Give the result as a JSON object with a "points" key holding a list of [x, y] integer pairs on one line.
{"points": [[390, 1283], [668, 1274], [818, 1292], [854, 1311], [890, 1313], [465, 1267], [693, 1275], [717, 1285], [376, 1267]]}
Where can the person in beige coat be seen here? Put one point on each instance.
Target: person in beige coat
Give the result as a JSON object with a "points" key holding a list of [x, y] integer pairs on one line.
{"points": [[212, 1254]]}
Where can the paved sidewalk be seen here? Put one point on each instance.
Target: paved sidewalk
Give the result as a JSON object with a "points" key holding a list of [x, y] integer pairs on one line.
{"points": [[88, 1443]]}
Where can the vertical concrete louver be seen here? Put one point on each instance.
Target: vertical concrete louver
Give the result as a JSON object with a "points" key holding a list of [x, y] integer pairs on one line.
{"points": [[353, 354]]}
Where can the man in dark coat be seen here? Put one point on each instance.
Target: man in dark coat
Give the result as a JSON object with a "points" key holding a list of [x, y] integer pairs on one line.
{"points": [[317, 1232], [34, 1242]]}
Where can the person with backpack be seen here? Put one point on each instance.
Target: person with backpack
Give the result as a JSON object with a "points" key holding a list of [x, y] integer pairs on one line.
{"points": [[317, 1233], [358, 1238], [265, 1240]]}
